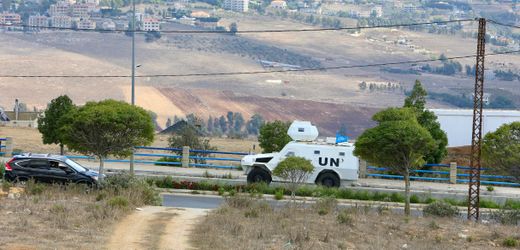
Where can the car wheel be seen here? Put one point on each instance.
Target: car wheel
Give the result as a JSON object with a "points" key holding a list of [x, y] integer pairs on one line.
{"points": [[328, 180], [258, 175]]}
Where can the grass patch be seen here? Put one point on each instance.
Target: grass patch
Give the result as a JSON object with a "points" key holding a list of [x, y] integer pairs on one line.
{"points": [[441, 209]]}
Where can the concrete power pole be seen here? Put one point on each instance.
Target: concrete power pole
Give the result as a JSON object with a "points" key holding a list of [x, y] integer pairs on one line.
{"points": [[133, 78], [476, 143]]}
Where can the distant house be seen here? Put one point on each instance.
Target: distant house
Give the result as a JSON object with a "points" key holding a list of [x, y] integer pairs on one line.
{"points": [[61, 21], [236, 5], [22, 119], [86, 24], [38, 21], [151, 24], [10, 18], [278, 4], [179, 127]]}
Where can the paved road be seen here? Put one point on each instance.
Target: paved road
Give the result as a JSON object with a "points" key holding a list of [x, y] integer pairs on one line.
{"points": [[191, 201]]}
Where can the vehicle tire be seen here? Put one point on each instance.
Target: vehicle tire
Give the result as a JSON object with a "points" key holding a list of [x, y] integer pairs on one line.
{"points": [[328, 180], [258, 175]]}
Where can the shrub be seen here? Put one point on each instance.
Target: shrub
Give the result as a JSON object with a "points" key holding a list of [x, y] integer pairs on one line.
{"points": [[239, 201], [57, 209], [488, 204], [512, 204], [34, 188], [510, 242], [168, 161], [278, 194], [118, 202], [506, 216], [325, 205], [415, 199], [441, 209], [344, 217], [490, 188], [6, 186], [221, 191]]}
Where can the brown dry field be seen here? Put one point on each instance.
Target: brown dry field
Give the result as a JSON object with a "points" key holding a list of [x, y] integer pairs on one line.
{"points": [[240, 225], [29, 140]]}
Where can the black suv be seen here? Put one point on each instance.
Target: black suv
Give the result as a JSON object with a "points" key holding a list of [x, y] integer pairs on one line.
{"points": [[48, 168]]}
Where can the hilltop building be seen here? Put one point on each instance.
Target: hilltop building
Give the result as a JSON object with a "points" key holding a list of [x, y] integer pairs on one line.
{"points": [[10, 18], [38, 21], [236, 5], [151, 24]]}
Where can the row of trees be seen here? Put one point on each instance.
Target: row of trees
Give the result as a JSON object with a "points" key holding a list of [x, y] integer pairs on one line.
{"points": [[101, 129], [232, 124]]}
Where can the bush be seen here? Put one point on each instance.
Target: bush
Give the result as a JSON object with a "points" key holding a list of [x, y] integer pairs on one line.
{"points": [[239, 201], [441, 209], [490, 188], [34, 188], [168, 161], [506, 216], [118, 202], [278, 194], [510, 242], [57, 209], [325, 205], [344, 217]]}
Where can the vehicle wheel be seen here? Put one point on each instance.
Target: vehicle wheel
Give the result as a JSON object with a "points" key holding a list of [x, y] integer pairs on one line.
{"points": [[328, 180], [258, 175]]}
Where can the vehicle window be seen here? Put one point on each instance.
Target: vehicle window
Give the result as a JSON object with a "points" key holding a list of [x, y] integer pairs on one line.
{"points": [[39, 164], [289, 154], [76, 165], [316, 152], [23, 163], [341, 153], [301, 129]]}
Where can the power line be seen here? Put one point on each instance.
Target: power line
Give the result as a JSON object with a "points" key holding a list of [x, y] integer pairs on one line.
{"points": [[504, 24], [257, 72], [246, 31]]}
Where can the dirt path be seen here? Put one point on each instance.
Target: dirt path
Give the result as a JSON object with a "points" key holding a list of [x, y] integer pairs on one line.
{"points": [[156, 228]]}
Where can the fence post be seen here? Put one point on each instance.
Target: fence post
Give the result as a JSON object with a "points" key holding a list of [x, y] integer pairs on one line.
{"points": [[8, 147], [362, 169], [185, 157], [453, 172]]}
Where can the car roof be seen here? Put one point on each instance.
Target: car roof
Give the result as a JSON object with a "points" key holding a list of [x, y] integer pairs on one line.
{"points": [[41, 156]]}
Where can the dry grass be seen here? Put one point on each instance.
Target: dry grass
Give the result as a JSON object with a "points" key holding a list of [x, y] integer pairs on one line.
{"points": [[246, 225], [29, 140], [65, 217]]}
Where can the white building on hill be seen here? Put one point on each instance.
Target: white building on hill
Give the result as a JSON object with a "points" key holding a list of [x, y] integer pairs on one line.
{"points": [[236, 5], [458, 123]]}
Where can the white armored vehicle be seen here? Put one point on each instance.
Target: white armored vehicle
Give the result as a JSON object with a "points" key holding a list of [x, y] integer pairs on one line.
{"points": [[333, 162]]}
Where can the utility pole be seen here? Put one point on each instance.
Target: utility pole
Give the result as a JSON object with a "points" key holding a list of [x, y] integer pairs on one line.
{"points": [[476, 143], [133, 77]]}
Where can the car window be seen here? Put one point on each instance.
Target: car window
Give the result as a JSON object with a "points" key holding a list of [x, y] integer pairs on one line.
{"points": [[39, 164], [23, 163], [76, 166]]}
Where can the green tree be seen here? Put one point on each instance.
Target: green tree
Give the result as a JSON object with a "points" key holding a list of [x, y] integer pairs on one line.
{"points": [[233, 28], [501, 149], [295, 170], [273, 136], [254, 124], [50, 123], [190, 136], [417, 101], [106, 128], [398, 142]]}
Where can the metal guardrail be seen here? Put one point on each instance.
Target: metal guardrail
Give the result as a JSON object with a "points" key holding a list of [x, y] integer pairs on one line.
{"points": [[438, 175], [178, 156], [2, 152]]}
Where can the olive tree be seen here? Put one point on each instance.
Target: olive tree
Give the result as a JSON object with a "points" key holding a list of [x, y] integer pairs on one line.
{"points": [[50, 123], [501, 149], [398, 142], [273, 136], [295, 170], [107, 128]]}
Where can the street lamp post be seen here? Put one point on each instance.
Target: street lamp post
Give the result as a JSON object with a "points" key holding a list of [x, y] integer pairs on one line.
{"points": [[133, 77]]}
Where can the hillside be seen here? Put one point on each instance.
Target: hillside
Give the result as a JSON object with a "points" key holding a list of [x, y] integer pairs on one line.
{"points": [[328, 98]]}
